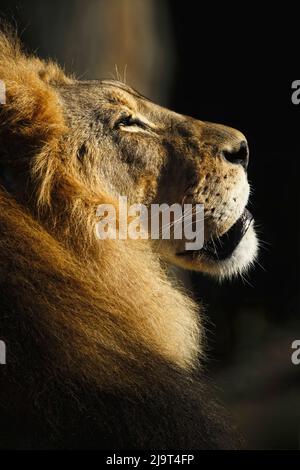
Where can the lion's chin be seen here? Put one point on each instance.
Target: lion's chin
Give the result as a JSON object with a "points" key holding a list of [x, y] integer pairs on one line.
{"points": [[226, 262], [241, 259]]}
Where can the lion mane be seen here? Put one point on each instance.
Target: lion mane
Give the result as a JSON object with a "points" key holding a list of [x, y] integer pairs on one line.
{"points": [[103, 349]]}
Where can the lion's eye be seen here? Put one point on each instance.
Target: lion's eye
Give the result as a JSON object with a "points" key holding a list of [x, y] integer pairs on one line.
{"points": [[129, 121]]}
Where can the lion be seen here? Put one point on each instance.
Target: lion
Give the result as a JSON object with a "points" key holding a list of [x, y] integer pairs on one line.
{"points": [[104, 349]]}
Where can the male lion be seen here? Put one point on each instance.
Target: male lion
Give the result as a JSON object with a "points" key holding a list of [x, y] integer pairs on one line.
{"points": [[102, 349]]}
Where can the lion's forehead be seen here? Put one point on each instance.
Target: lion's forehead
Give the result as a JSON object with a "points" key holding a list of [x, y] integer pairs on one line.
{"points": [[108, 96]]}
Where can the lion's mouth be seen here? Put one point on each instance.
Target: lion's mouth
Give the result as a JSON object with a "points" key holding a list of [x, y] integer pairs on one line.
{"points": [[218, 249]]}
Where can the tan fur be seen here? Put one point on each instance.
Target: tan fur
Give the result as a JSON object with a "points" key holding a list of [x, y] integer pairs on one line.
{"points": [[122, 300], [59, 161]]}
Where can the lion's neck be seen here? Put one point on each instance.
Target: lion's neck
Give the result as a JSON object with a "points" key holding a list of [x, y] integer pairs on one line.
{"points": [[134, 287], [159, 312]]}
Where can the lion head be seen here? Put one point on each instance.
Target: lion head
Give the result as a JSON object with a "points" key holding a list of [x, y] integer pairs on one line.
{"points": [[114, 141], [123, 142]]}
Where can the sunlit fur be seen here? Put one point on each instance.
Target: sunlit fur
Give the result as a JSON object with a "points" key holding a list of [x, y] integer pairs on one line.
{"points": [[99, 340]]}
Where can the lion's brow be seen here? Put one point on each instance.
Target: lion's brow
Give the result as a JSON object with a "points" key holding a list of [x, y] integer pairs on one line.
{"points": [[126, 88]]}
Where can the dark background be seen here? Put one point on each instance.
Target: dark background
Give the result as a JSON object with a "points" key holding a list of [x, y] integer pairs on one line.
{"points": [[233, 66]]}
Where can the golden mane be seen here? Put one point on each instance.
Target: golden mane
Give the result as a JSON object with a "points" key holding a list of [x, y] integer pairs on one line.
{"points": [[103, 347], [96, 307]]}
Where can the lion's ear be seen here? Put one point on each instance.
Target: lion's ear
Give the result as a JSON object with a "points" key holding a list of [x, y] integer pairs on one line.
{"points": [[31, 107]]}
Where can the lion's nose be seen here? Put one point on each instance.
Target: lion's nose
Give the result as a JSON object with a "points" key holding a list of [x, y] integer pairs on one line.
{"points": [[227, 142], [238, 154]]}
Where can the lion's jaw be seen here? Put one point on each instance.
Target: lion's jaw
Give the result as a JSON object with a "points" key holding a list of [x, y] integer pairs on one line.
{"points": [[230, 244]]}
